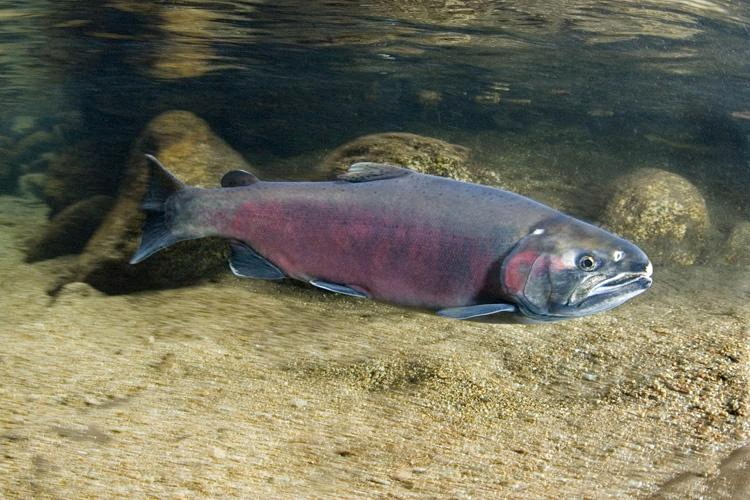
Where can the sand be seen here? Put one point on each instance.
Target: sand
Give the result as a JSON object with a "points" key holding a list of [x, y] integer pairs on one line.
{"points": [[245, 388]]}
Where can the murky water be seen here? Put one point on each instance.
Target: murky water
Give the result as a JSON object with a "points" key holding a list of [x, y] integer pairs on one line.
{"points": [[569, 102]]}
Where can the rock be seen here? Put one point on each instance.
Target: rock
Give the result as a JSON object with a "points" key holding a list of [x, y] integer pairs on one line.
{"points": [[298, 403], [737, 247], [38, 164], [429, 98], [22, 124], [33, 145], [76, 174], [68, 123], [8, 172], [423, 154], [32, 185], [660, 211], [78, 289], [68, 231], [188, 147]]}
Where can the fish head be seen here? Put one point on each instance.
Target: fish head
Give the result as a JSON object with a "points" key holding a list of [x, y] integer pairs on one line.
{"points": [[565, 268]]}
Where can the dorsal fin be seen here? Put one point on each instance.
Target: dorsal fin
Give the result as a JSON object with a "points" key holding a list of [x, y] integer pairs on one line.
{"points": [[236, 178], [367, 171]]}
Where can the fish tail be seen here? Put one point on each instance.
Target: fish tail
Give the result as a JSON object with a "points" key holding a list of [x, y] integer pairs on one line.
{"points": [[157, 233]]}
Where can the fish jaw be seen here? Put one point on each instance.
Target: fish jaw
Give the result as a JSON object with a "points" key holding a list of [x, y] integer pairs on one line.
{"points": [[612, 292]]}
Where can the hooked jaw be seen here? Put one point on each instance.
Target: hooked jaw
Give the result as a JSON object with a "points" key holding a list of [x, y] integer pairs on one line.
{"points": [[623, 280], [613, 291]]}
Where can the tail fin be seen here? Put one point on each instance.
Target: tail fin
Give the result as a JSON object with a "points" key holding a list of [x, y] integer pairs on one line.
{"points": [[156, 235]]}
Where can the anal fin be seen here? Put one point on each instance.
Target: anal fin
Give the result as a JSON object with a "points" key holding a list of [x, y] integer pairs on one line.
{"points": [[248, 263], [335, 287], [478, 312]]}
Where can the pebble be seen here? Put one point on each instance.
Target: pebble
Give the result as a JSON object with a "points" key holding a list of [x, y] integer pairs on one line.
{"points": [[382, 482], [404, 477], [91, 401], [77, 289], [298, 403]]}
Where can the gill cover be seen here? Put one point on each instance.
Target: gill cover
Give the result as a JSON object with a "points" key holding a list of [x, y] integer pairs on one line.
{"points": [[525, 275]]}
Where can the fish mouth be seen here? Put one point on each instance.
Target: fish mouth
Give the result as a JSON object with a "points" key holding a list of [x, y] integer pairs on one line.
{"points": [[613, 291], [598, 297], [596, 294], [621, 282]]}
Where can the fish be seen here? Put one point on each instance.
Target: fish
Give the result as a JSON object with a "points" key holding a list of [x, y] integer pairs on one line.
{"points": [[385, 232]]}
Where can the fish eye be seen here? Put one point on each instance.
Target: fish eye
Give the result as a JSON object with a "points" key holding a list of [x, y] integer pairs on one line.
{"points": [[587, 263]]}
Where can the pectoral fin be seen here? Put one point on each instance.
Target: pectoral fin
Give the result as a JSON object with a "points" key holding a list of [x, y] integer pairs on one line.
{"points": [[248, 263], [478, 311], [335, 287]]}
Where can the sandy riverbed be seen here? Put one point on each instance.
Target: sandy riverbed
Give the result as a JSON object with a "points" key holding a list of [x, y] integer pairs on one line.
{"points": [[237, 388]]}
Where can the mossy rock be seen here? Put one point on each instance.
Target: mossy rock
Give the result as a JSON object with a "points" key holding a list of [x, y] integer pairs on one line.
{"points": [[194, 154], [737, 247], [423, 154], [662, 212]]}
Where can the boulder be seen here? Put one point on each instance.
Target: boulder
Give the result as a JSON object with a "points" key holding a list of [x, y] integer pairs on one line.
{"points": [[68, 231], [194, 154], [32, 185], [39, 164], [432, 156], [660, 211], [8, 172], [75, 174], [737, 247], [423, 154], [33, 145]]}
